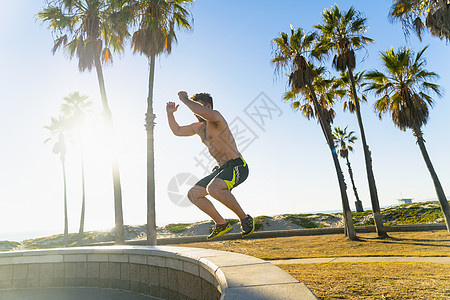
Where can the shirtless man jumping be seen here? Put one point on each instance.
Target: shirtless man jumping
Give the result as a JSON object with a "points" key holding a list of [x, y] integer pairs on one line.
{"points": [[231, 171]]}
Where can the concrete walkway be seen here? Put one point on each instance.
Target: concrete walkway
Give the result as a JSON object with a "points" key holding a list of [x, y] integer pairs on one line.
{"points": [[320, 260]]}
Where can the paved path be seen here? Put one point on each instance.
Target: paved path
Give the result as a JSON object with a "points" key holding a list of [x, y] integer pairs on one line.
{"points": [[361, 259]]}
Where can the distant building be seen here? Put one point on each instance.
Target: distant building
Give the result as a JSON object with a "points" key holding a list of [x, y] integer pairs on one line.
{"points": [[404, 200]]}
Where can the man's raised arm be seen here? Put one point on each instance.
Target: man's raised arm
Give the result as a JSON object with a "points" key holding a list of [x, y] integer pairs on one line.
{"points": [[198, 109], [177, 129]]}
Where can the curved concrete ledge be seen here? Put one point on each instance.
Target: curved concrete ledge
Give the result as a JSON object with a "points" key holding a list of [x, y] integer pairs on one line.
{"points": [[160, 271]]}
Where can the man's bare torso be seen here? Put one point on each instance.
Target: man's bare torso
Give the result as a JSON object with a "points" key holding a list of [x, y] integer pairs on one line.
{"points": [[219, 140]]}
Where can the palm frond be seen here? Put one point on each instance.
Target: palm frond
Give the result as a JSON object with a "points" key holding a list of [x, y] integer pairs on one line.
{"points": [[419, 15], [84, 27], [341, 33], [343, 139], [404, 88], [156, 25], [106, 55]]}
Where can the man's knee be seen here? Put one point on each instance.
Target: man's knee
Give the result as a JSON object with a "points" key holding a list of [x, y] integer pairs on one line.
{"points": [[195, 193]]}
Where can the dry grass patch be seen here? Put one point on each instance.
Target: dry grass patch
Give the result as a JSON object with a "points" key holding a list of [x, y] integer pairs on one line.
{"points": [[429, 243], [358, 280], [374, 280]]}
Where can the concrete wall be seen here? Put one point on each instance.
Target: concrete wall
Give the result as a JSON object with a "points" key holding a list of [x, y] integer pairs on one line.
{"points": [[164, 272]]}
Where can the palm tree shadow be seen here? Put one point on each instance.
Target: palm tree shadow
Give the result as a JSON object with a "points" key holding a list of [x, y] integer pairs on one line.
{"points": [[406, 241]]}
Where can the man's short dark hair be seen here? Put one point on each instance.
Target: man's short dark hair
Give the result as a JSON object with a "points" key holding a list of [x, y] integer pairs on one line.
{"points": [[203, 98]]}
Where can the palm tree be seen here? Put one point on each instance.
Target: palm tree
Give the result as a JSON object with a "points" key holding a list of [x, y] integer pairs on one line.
{"points": [[325, 93], [405, 89], [57, 130], [89, 30], [75, 109], [344, 82], [417, 15], [156, 21], [290, 54], [342, 34], [343, 139]]}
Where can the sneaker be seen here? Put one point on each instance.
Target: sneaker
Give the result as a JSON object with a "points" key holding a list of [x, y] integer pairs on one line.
{"points": [[248, 226], [219, 230]]}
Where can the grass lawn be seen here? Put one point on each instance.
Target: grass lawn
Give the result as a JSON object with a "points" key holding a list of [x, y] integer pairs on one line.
{"points": [[374, 280], [357, 280], [429, 243]]}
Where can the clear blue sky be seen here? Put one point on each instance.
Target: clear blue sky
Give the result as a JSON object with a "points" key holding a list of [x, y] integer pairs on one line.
{"points": [[228, 55]]}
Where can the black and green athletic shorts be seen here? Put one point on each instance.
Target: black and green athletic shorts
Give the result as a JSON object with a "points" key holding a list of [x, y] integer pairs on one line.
{"points": [[233, 172]]}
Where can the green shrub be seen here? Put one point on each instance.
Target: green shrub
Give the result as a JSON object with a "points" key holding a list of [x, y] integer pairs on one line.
{"points": [[177, 228], [359, 215], [232, 221], [8, 245], [303, 221], [261, 221], [411, 215]]}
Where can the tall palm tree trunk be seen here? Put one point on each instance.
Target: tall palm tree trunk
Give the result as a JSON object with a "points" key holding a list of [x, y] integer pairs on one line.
{"points": [[150, 127], [349, 229], [370, 177], [83, 193], [437, 184], [119, 234], [443, 4], [66, 219], [358, 202]]}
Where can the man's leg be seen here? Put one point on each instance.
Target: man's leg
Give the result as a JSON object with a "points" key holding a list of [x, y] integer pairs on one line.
{"points": [[197, 196], [218, 189]]}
